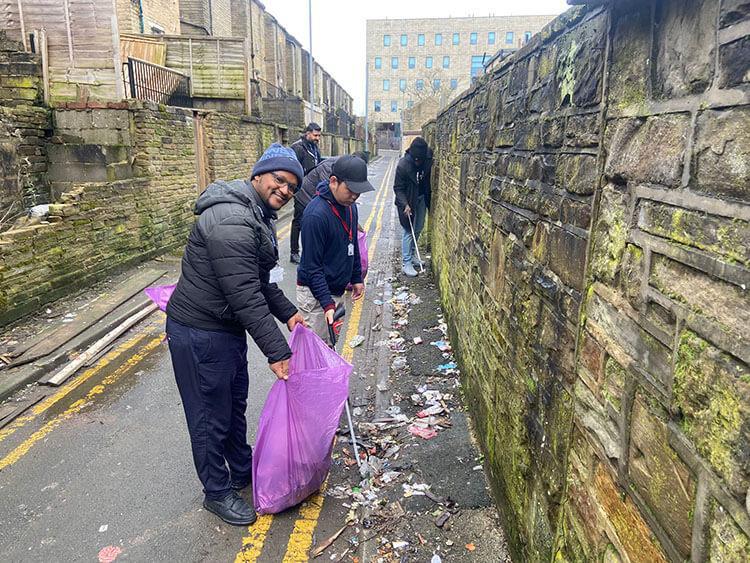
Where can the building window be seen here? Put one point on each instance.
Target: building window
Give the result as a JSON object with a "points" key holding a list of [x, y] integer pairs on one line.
{"points": [[412, 62], [436, 84], [456, 38], [402, 84], [473, 38], [454, 83], [378, 63], [527, 37], [477, 65], [509, 38], [394, 106], [420, 39], [491, 38], [394, 62], [410, 104], [386, 40], [403, 40], [387, 84], [377, 105], [438, 39], [428, 62], [446, 62], [420, 84]]}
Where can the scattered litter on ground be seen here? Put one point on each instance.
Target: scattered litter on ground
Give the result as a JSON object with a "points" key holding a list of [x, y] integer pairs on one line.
{"points": [[109, 553], [356, 341]]}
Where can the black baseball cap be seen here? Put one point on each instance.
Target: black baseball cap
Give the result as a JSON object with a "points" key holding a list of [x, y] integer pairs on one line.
{"points": [[352, 170]]}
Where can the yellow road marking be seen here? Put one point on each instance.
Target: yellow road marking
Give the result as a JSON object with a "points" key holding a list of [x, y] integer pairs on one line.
{"points": [[252, 543], [23, 448], [45, 404], [304, 527], [301, 537]]}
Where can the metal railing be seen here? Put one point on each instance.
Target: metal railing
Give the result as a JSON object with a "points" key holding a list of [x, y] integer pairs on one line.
{"points": [[272, 91], [155, 83]]}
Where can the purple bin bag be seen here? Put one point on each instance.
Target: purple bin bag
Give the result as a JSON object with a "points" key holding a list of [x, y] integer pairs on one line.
{"points": [[364, 259], [293, 447], [160, 294]]}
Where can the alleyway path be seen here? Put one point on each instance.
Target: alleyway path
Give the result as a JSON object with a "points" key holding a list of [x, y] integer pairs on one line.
{"points": [[105, 460]]}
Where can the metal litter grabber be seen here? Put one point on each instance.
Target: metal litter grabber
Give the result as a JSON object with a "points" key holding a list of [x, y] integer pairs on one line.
{"points": [[338, 315], [416, 247]]}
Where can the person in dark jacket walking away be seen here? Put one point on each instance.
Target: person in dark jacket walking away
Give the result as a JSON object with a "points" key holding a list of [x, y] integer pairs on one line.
{"points": [[330, 253], [227, 287], [321, 173], [412, 188], [308, 154]]}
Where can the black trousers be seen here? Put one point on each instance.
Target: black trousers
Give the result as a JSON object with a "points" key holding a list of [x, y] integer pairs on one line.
{"points": [[210, 368], [296, 227]]}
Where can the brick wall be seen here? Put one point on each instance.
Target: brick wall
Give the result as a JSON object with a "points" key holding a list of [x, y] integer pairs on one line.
{"points": [[24, 124], [590, 237]]}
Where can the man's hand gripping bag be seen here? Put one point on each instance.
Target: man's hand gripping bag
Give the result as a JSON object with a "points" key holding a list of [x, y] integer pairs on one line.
{"points": [[292, 451]]}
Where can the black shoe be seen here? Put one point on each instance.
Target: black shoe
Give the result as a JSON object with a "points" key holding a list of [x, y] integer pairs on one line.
{"points": [[232, 509], [241, 484], [294, 258]]}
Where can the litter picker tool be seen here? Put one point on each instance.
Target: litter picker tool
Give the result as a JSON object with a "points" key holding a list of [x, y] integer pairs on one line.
{"points": [[414, 238], [338, 315]]}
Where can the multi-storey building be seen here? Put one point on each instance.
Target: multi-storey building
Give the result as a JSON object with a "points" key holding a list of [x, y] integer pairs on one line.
{"points": [[409, 60]]}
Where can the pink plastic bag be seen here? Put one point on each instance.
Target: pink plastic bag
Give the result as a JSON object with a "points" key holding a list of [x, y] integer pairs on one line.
{"points": [[293, 447], [160, 294]]}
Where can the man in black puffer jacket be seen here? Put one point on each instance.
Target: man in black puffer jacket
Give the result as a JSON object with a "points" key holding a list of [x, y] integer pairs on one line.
{"points": [[227, 287]]}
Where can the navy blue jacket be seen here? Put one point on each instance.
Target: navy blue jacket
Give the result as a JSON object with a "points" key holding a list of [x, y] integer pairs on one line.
{"points": [[325, 267]]}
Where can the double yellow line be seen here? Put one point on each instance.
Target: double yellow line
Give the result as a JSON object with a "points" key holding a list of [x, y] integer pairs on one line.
{"points": [[300, 540]]}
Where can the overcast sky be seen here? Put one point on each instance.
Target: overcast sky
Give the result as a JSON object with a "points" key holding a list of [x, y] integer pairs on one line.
{"points": [[339, 27]]}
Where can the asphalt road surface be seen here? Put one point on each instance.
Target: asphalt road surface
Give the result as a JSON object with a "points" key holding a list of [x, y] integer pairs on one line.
{"points": [[102, 467]]}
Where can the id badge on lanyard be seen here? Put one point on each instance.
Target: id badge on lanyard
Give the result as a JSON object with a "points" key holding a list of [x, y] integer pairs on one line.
{"points": [[348, 229]]}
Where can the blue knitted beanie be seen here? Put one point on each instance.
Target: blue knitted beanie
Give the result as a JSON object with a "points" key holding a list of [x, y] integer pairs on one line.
{"points": [[278, 157]]}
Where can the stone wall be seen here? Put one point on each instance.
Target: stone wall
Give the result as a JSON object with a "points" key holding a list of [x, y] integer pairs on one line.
{"points": [[124, 177], [24, 124], [590, 235]]}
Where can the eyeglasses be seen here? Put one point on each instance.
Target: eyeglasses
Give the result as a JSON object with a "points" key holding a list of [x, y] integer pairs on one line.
{"points": [[280, 182]]}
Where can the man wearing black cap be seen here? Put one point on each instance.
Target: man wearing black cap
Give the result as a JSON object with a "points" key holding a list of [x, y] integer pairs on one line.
{"points": [[308, 154], [412, 188], [330, 256], [227, 288]]}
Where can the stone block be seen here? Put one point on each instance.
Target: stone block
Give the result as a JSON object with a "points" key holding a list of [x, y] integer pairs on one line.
{"points": [[659, 476], [576, 213], [631, 57], [602, 429], [727, 541], [712, 394], [552, 131], [734, 11], [722, 152], [722, 302], [734, 63], [72, 120], [582, 130], [628, 342], [610, 233], [684, 62], [631, 149], [631, 275], [567, 256], [577, 173], [633, 534], [729, 238], [580, 64]]}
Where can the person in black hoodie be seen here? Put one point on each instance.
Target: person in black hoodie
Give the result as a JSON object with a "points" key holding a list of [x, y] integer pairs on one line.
{"points": [[308, 154], [226, 288], [330, 253], [412, 189]]}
